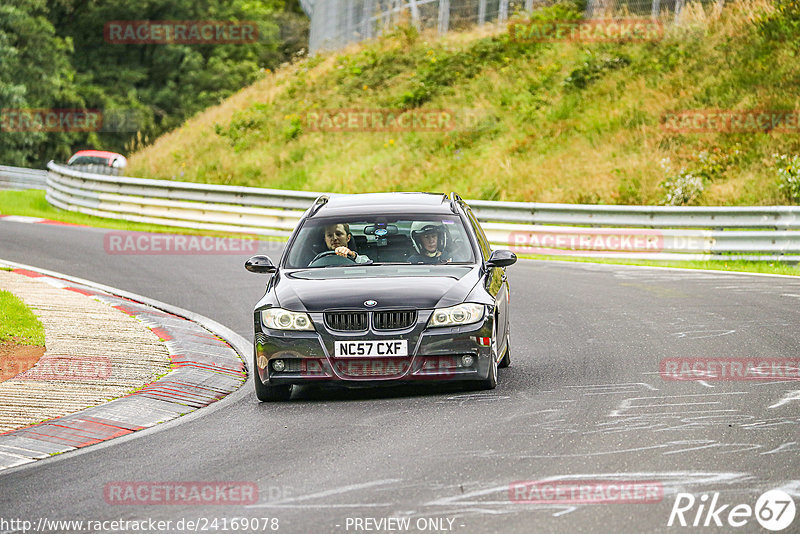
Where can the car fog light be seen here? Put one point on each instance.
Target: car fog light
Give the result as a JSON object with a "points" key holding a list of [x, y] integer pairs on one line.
{"points": [[278, 365], [467, 360]]}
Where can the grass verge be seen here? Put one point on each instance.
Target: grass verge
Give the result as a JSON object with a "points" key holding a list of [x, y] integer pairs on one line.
{"points": [[18, 323], [711, 265]]}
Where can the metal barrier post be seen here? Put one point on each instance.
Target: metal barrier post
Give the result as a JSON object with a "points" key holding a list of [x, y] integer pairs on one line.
{"points": [[444, 16], [502, 16]]}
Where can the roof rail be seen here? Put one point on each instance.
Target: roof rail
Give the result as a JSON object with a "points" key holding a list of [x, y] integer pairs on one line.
{"points": [[454, 198], [321, 201]]}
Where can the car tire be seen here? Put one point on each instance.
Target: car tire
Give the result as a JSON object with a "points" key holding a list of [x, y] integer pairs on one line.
{"points": [[266, 393], [490, 382], [506, 361], [272, 393]]}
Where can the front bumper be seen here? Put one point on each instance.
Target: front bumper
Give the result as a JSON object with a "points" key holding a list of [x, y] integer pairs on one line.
{"points": [[434, 355]]}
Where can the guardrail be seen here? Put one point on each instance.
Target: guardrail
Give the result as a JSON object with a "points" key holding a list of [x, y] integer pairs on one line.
{"points": [[22, 178], [639, 232]]}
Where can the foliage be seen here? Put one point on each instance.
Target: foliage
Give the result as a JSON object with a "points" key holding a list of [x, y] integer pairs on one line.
{"points": [[783, 23], [686, 187], [593, 68], [788, 171], [35, 72], [537, 121], [53, 55], [682, 190]]}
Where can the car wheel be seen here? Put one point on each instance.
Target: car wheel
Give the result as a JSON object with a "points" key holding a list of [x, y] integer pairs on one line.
{"points": [[506, 361], [266, 393], [490, 382], [272, 393]]}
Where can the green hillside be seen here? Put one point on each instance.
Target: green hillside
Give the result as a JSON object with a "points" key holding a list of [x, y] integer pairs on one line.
{"points": [[532, 121]]}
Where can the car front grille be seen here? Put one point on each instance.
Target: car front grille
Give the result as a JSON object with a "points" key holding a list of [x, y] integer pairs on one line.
{"points": [[356, 321], [393, 320], [346, 321]]}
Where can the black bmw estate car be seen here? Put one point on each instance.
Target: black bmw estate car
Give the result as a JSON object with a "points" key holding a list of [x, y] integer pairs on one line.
{"points": [[382, 288]]}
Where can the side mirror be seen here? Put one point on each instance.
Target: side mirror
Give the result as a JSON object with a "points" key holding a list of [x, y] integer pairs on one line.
{"points": [[260, 264], [501, 258]]}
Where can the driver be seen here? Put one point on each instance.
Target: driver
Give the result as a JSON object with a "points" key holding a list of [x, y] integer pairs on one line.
{"points": [[430, 242], [337, 237]]}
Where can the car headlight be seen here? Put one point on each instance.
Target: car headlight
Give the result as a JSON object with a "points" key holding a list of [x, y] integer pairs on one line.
{"points": [[280, 319], [466, 313]]}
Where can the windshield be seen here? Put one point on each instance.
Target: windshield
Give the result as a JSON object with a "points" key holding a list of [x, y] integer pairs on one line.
{"points": [[366, 241], [88, 160]]}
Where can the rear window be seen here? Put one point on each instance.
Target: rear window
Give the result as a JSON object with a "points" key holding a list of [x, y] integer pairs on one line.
{"points": [[432, 240]]}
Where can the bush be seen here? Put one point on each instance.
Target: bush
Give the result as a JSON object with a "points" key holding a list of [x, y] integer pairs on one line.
{"points": [[682, 190], [783, 23]]}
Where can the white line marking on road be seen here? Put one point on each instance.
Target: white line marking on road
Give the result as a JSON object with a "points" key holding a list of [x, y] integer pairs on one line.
{"points": [[702, 334], [627, 386], [322, 506], [792, 488], [327, 493], [789, 397], [787, 381], [657, 402], [785, 447], [771, 422]]}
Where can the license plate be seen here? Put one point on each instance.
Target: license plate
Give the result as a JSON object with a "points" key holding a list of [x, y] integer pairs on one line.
{"points": [[370, 348]]}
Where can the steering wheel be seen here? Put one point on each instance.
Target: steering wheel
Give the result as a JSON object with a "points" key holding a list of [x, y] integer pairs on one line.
{"points": [[329, 257]]}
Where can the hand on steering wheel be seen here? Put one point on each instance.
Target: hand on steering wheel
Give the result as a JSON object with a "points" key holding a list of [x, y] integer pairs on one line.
{"points": [[343, 258], [345, 252]]}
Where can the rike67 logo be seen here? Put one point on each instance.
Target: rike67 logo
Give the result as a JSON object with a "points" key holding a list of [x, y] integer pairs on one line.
{"points": [[774, 510]]}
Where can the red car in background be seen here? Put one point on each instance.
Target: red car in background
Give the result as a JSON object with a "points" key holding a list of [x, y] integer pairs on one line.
{"points": [[98, 161]]}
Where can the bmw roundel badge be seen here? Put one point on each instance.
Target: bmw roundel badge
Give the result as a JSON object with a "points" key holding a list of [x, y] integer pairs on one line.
{"points": [[370, 303]]}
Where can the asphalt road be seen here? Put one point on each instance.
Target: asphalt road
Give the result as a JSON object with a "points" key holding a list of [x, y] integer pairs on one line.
{"points": [[583, 400]]}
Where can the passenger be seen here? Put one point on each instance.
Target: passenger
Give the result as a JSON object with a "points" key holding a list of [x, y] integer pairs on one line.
{"points": [[430, 242], [337, 237]]}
